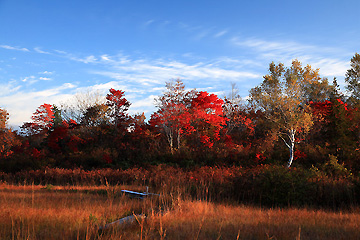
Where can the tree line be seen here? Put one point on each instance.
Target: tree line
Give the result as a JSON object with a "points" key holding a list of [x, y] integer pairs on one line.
{"points": [[294, 117]]}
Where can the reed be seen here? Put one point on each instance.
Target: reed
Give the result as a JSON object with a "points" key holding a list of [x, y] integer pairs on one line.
{"points": [[76, 212]]}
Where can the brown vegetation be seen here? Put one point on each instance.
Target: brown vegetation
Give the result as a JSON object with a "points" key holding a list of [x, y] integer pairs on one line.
{"points": [[76, 212]]}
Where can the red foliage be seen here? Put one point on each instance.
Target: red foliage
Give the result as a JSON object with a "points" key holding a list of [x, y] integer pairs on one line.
{"points": [[107, 158], [43, 117], [117, 99], [207, 117], [74, 141], [118, 105], [174, 117], [259, 157], [36, 153], [56, 136], [200, 117], [321, 108], [299, 155], [69, 124]]}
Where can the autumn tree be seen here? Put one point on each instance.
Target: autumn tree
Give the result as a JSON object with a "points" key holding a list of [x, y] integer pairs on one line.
{"points": [[195, 116], [118, 106], [95, 116], [43, 116], [173, 116], [206, 117], [283, 96], [4, 117], [91, 109], [7, 136], [42, 120]]}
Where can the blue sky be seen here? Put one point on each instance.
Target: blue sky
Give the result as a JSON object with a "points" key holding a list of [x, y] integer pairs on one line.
{"points": [[50, 50]]}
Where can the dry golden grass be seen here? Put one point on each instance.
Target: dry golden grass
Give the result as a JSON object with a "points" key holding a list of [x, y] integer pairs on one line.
{"points": [[45, 212], [202, 220], [74, 212]]}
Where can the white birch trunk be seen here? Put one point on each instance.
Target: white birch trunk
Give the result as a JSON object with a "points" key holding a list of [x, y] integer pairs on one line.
{"points": [[291, 147]]}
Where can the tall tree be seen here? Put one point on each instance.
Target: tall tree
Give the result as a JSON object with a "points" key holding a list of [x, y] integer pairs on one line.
{"points": [[75, 107], [236, 113], [4, 117], [43, 116], [207, 117], [352, 78], [173, 116], [196, 116], [283, 97], [42, 120], [118, 106], [95, 116], [7, 136]]}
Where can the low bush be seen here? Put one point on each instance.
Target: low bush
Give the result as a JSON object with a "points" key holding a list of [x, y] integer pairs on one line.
{"points": [[264, 185]]}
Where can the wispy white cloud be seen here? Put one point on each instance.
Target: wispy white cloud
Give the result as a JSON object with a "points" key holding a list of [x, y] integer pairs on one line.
{"points": [[275, 48], [60, 52], [137, 105], [105, 57], [46, 73], [29, 79], [330, 60], [221, 33], [21, 104], [147, 23], [88, 59], [38, 50], [104, 87], [45, 78], [144, 105], [9, 88], [158, 71], [331, 67], [33, 79], [194, 32], [14, 48]]}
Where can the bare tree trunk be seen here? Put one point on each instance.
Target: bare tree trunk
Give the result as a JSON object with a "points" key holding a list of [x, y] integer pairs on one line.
{"points": [[171, 142], [178, 138], [291, 155], [291, 147], [170, 137]]}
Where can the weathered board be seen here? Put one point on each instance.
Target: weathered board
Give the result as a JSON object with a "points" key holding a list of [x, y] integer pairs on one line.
{"points": [[140, 195]]}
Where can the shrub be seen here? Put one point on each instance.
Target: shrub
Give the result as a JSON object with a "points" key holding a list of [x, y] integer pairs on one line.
{"points": [[264, 185]]}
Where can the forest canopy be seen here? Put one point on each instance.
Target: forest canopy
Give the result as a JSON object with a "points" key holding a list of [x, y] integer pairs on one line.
{"points": [[294, 117]]}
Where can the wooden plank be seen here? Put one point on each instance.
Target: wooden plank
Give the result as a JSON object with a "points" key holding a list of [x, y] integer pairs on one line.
{"points": [[140, 195]]}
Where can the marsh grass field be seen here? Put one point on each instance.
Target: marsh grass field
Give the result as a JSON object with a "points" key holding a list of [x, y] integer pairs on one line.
{"points": [[76, 212]]}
